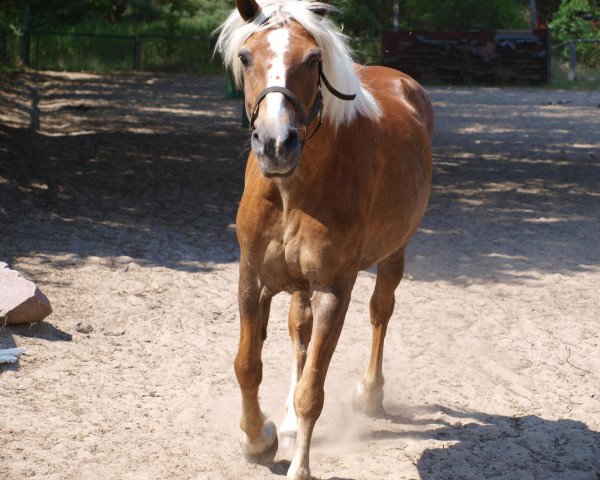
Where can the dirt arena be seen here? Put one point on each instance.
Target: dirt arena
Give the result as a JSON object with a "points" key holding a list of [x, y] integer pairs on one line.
{"points": [[118, 197]]}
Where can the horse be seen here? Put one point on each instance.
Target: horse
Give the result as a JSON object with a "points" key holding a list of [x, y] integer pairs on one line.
{"points": [[337, 180]]}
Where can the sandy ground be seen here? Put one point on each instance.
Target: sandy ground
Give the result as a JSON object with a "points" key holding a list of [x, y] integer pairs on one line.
{"points": [[118, 196]]}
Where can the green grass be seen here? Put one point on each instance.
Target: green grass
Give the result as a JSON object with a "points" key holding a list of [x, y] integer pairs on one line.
{"points": [[586, 78]]}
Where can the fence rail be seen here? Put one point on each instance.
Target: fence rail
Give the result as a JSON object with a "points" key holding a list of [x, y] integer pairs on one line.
{"points": [[78, 51], [47, 49], [572, 44]]}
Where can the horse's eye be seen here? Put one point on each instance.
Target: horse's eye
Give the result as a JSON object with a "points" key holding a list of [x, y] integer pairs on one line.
{"points": [[244, 58]]}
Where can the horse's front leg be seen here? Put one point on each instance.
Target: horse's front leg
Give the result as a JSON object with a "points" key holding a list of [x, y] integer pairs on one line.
{"points": [[329, 310], [259, 442], [300, 326]]}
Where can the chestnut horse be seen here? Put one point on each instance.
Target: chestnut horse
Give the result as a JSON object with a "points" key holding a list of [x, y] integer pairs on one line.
{"points": [[338, 179]]}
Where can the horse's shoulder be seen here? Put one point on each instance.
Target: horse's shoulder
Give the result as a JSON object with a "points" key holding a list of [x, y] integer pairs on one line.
{"points": [[259, 212], [395, 89], [388, 78]]}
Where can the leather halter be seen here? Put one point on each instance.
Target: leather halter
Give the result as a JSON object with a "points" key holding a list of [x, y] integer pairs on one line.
{"points": [[316, 110]]}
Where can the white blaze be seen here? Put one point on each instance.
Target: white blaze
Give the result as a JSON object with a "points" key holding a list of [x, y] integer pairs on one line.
{"points": [[278, 43]]}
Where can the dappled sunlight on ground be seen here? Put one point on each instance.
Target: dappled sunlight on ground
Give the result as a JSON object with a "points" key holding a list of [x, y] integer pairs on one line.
{"points": [[510, 178], [118, 197]]}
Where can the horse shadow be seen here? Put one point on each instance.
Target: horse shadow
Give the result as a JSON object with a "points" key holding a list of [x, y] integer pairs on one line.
{"points": [[477, 445]]}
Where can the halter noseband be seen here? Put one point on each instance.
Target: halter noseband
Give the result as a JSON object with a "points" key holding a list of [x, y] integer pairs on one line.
{"points": [[316, 110]]}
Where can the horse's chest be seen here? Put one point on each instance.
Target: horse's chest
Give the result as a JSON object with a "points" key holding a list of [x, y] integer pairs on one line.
{"points": [[289, 259]]}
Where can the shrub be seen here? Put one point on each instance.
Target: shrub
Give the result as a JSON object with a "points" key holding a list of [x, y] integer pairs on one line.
{"points": [[464, 14], [579, 19]]}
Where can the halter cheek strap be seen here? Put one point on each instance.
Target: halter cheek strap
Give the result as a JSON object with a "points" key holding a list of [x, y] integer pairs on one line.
{"points": [[337, 93], [316, 110]]}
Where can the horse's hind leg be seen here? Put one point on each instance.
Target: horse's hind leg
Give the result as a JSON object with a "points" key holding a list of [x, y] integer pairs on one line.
{"points": [[259, 442], [300, 327], [368, 396]]}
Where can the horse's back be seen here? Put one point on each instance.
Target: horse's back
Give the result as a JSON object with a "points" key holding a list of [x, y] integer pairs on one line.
{"points": [[397, 93], [401, 161]]}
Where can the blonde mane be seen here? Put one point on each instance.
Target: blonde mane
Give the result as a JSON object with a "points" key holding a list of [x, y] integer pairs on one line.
{"points": [[338, 66]]}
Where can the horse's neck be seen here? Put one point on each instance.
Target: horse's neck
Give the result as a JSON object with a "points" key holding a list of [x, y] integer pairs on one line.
{"points": [[312, 171]]}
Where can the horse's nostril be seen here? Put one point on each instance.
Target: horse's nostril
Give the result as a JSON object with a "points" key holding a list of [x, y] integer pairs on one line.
{"points": [[269, 148], [291, 141], [255, 136]]}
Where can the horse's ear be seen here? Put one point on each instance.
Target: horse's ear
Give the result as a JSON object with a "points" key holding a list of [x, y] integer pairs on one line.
{"points": [[321, 11], [248, 9]]}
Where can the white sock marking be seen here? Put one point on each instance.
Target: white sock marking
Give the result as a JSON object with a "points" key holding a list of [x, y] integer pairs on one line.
{"points": [[290, 422]]}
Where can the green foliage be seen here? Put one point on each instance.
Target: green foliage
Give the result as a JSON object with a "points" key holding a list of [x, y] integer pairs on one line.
{"points": [[193, 19], [48, 13], [579, 19], [156, 53], [64, 52], [361, 18], [463, 14], [358, 18], [9, 14], [546, 9], [364, 18]]}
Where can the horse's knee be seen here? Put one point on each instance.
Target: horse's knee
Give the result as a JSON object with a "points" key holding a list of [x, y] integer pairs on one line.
{"points": [[309, 399], [248, 373]]}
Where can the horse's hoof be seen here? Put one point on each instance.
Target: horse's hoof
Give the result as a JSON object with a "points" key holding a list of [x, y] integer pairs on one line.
{"points": [[263, 450], [368, 401], [298, 473]]}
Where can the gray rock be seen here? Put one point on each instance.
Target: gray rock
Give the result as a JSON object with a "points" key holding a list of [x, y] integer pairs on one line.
{"points": [[114, 332], [20, 300], [83, 327]]}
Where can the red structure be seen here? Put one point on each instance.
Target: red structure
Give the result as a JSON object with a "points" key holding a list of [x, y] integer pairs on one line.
{"points": [[474, 56]]}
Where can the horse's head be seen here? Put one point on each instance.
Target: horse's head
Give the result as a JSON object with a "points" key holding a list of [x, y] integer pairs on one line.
{"points": [[280, 68], [281, 51]]}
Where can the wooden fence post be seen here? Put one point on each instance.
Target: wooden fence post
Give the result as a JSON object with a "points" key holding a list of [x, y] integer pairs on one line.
{"points": [[4, 48], [572, 61], [532, 14], [137, 53], [25, 39], [548, 37]]}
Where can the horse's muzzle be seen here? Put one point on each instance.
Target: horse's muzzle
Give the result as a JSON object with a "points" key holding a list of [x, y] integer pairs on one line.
{"points": [[278, 156]]}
